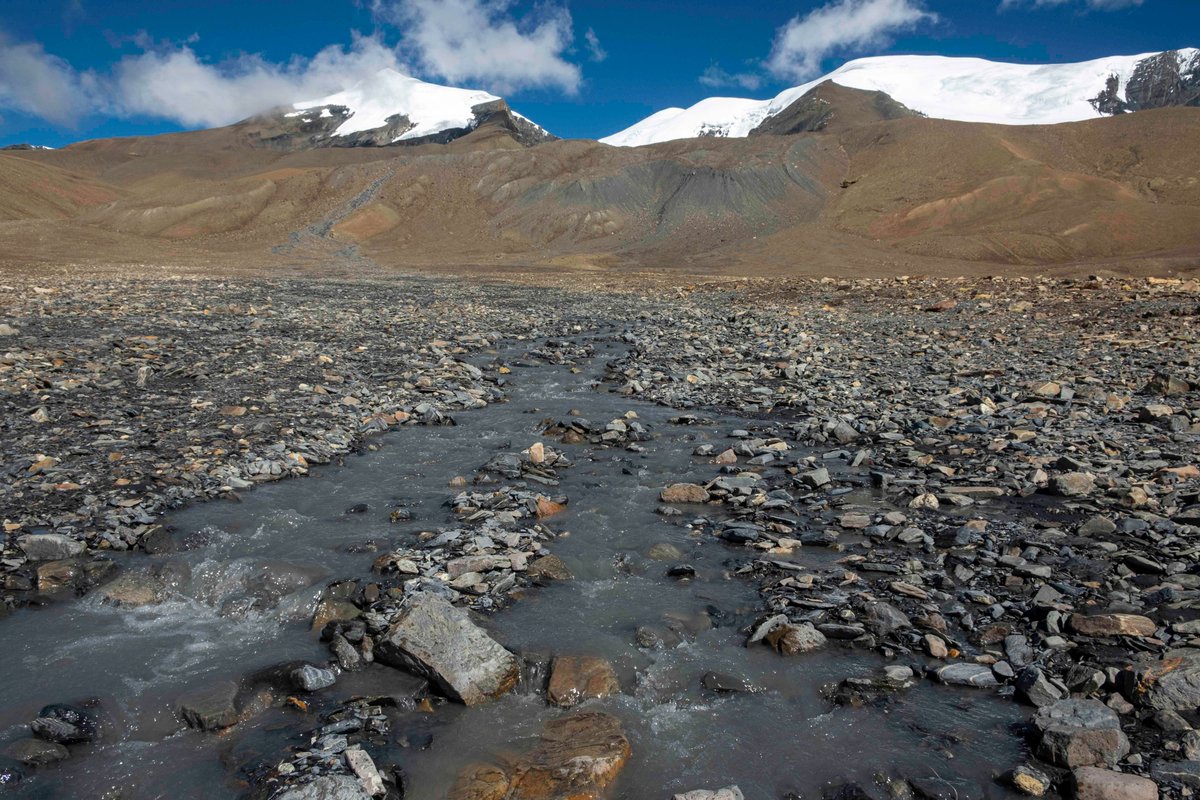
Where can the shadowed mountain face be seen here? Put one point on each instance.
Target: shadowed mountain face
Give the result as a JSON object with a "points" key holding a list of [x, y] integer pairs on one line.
{"points": [[1162, 81], [874, 189], [830, 107], [287, 129]]}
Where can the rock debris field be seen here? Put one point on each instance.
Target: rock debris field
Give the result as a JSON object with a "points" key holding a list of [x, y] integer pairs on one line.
{"points": [[877, 496]]}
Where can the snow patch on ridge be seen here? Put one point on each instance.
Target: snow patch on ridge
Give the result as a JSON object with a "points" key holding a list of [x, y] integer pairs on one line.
{"points": [[429, 107]]}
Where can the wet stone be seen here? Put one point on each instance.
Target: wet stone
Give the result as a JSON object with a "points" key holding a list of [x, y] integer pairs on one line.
{"points": [[963, 674], [308, 678], [434, 639], [37, 752], [578, 756], [211, 708], [574, 679]]}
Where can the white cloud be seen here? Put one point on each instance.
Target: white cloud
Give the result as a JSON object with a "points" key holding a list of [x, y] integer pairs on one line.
{"points": [[170, 81], [35, 82], [481, 42], [464, 42], [715, 77], [175, 84], [595, 50], [1094, 5], [804, 42]]}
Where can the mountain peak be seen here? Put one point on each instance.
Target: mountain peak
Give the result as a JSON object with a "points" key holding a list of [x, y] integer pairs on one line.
{"points": [[955, 88]]}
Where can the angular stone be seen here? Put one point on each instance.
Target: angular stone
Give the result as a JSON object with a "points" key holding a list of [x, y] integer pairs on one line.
{"points": [[574, 679], [844, 433], [326, 787], [1034, 688], [433, 638], [684, 493], [461, 566], [1170, 683], [816, 478], [854, 521], [1074, 484], [1101, 625], [1094, 783], [211, 708], [49, 546], [363, 766], [549, 568], [1080, 733], [792, 640], [883, 618]]}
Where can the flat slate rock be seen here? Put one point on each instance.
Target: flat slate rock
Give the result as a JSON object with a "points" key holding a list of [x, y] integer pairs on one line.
{"points": [[433, 638]]}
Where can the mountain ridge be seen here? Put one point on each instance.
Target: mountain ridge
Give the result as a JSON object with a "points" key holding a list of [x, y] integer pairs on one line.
{"points": [[959, 89]]}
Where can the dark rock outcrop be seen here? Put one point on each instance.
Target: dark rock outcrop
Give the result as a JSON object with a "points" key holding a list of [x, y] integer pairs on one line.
{"points": [[1165, 80]]}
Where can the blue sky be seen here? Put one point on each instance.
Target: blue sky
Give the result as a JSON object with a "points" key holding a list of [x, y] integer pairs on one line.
{"points": [[79, 69]]}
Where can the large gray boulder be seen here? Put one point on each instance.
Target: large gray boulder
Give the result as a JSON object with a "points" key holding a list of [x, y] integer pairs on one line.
{"points": [[327, 787], [1169, 684], [433, 638], [49, 546], [1080, 733]]}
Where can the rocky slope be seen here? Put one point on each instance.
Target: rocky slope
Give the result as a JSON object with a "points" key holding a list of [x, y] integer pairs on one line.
{"points": [[865, 194]]}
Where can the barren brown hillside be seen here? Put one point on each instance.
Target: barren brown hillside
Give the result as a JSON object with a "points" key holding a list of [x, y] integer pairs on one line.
{"points": [[864, 195]]}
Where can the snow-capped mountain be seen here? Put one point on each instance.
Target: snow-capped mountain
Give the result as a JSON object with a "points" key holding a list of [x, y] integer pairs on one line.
{"points": [[389, 108], [965, 89]]}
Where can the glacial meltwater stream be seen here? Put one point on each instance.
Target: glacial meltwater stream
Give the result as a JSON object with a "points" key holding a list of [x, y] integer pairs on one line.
{"points": [[249, 573]]}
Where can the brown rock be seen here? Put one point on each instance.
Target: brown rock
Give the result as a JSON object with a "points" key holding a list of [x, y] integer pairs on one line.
{"points": [[684, 493], [548, 508], [133, 591], [1113, 625], [726, 457], [57, 574], [578, 757], [1093, 783], [574, 679], [1074, 484], [480, 782], [936, 646], [330, 609], [792, 640], [549, 568]]}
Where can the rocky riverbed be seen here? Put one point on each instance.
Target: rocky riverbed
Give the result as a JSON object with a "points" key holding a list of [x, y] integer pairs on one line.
{"points": [[718, 525]]}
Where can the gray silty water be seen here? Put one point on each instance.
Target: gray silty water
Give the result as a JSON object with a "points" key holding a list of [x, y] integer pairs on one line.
{"points": [[222, 623]]}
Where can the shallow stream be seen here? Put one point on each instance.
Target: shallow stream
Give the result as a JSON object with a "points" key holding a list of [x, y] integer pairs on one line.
{"points": [[785, 738]]}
